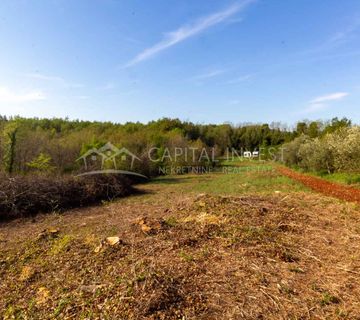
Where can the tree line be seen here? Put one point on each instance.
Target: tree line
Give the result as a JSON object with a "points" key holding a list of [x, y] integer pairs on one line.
{"points": [[52, 145]]}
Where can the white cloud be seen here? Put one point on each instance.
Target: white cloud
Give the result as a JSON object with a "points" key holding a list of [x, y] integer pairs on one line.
{"points": [[321, 102], [240, 79], [50, 78], [330, 97], [208, 75], [187, 31], [8, 96]]}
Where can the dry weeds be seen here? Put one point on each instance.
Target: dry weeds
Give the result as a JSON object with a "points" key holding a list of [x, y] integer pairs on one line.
{"points": [[202, 257]]}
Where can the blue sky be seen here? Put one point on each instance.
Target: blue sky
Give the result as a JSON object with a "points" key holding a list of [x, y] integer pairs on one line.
{"points": [[203, 61]]}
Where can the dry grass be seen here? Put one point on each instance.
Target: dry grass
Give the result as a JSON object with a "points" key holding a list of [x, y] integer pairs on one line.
{"points": [[186, 256]]}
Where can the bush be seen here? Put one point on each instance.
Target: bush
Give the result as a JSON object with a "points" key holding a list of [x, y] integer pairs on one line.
{"points": [[28, 195], [337, 151], [346, 142], [291, 155], [316, 155]]}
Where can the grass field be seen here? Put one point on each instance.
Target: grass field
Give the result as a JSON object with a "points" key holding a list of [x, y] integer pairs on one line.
{"points": [[234, 182], [251, 244], [352, 179]]}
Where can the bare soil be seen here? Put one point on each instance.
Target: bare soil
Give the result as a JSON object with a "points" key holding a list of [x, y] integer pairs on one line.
{"points": [[326, 187]]}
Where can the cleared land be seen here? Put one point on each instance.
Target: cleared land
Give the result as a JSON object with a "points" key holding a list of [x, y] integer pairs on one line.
{"points": [[333, 189], [246, 245]]}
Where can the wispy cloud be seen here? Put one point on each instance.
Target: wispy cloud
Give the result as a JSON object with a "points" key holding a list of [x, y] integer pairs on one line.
{"points": [[50, 78], [322, 102], [9, 96], [345, 34], [330, 97], [240, 79], [174, 37], [210, 74], [335, 40]]}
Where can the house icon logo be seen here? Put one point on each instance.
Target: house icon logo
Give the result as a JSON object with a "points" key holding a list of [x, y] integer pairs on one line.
{"points": [[106, 160]]}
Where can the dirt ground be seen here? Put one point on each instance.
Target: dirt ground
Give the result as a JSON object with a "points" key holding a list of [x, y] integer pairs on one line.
{"points": [[179, 253], [326, 187]]}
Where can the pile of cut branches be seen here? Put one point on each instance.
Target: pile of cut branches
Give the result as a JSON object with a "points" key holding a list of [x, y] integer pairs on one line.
{"points": [[28, 195]]}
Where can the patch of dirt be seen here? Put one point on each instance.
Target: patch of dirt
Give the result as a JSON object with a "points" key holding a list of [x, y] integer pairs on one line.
{"points": [[326, 187], [198, 257]]}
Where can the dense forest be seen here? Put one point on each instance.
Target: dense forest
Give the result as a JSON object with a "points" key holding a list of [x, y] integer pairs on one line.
{"points": [[53, 145]]}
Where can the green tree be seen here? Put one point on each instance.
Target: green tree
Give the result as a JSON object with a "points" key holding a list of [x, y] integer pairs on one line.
{"points": [[42, 163], [9, 143], [314, 129], [301, 128], [337, 124]]}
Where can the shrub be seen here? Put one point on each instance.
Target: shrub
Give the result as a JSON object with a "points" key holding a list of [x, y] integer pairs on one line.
{"points": [[346, 142], [291, 150], [338, 151], [29, 195], [316, 155], [42, 163]]}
